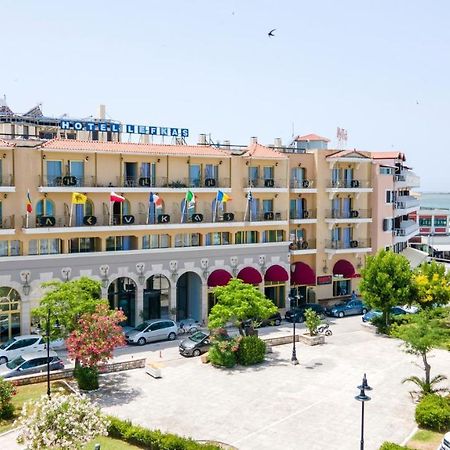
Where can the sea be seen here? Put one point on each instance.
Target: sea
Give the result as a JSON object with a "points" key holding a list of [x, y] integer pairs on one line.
{"points": [[440, 200]]}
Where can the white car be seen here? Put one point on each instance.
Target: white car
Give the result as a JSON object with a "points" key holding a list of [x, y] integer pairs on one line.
{"points": [[410, 309], [18, 345], [152, 330], [445, 444]]}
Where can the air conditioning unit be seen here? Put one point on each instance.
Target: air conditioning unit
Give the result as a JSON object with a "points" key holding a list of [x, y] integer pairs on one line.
{"points": [[144, 181], [305, 183], [305, 214], [269, 182], [268, 215], [355, 183], [304, 245], [354, 214], [210, 182], [354, 244]]}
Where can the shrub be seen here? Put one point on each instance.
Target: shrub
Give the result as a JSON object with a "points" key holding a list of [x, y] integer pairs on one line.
{"points": [[433, 412], [392, 446], [221, 356], [152, 439], [7, 391], [87, 378], [380, 324], [251, 351], [312, 321]]}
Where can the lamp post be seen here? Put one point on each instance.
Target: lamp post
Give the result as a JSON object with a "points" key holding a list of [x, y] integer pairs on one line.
{"points": [[47, 335], [294, 359], [362, 397]]}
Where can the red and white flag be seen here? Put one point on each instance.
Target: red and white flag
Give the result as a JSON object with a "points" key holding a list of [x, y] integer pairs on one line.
{"points": [[116, 198]]}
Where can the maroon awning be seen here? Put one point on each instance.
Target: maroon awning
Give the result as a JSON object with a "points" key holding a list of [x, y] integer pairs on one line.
{"points": [[303, 274], [344, 268], [250, 275], [219, 277], [276, 273]]}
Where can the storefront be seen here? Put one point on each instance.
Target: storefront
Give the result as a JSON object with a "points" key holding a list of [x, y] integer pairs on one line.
{"points": [[343, 273], [275, 285], [219, 277], [302, 276]]}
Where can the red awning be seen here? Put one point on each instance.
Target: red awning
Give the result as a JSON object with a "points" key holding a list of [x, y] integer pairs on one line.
{"points": [[303, 274], [250, 275], [276, 273], [219, 277], [344, 268]]}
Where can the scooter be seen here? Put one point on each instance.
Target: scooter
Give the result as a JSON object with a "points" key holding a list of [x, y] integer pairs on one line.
{"points": [[324, 329]]}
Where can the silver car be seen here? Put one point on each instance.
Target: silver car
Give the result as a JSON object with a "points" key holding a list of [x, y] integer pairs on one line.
{"points": [[152, 330], [30, 363]]}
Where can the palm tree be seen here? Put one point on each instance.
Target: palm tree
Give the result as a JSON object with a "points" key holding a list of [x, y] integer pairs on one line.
{"points": [[426, 387]]}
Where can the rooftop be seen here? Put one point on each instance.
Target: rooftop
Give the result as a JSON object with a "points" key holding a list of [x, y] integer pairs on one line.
{"points": [[311, 137]]}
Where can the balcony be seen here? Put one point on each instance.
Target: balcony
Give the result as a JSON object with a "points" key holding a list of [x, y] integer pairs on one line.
{"points": [[128, 184], [264, 184], [305, 216], [406, 179], [7, 183], [303, 186], [352, 216], [406, 204], [304, 247], [351, 246], [406, 230], [344, 185], [7, 225]]}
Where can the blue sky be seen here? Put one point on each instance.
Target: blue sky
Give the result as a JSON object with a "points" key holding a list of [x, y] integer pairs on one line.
{"points": [[209, 66]]}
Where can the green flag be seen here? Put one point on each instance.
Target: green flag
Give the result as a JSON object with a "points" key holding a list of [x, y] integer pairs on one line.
{"points": [[190, 199]]}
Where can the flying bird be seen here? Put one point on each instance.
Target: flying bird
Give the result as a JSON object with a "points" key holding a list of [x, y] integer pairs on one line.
{"points": [[270, 33]]}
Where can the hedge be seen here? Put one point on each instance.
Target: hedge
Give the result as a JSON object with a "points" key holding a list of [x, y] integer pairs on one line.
{"points": [[142, 437], [433, 412], [392, 446], [252, 350]]}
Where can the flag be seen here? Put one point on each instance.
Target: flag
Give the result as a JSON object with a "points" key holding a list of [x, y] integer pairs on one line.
{"points": [[78, 199], [156, 199], [116, 198], [222, 197], [29, 204], [190, 199]]}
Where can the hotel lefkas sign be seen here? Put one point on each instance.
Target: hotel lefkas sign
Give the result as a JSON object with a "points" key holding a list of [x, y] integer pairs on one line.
{"points": [[118, 128]]}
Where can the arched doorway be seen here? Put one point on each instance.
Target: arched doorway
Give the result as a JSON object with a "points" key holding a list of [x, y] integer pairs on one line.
{"points": [[302, 276], [9, 313], [275, 285], [219, 277], [189, 296], [122, 295], [156, 298], [250, 275], [343, 272]]}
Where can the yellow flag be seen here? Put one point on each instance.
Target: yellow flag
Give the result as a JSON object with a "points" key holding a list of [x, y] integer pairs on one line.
{"points": [[78, 199]]}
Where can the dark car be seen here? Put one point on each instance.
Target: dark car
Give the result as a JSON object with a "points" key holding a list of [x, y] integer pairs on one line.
{"points": [[195, 345], [347, 309], [274, 319], [299, 312]]}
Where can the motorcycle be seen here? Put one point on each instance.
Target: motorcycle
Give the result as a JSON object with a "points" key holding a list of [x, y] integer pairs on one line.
{"points": [[324, 329]]}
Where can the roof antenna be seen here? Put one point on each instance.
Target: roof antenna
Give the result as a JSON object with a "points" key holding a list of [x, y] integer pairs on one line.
{"points": [[293, 132]]}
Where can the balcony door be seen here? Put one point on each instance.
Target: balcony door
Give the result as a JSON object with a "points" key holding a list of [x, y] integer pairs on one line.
{"points": [[348, 177], [212, 173], [76, 169], [253, 176], [54, 173], [130, 173], [195, 175], [269, 173], [297, 177]]}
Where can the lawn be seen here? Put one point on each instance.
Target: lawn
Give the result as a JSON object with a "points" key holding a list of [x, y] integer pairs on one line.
{"points": [[110, 444], [425, 440]]}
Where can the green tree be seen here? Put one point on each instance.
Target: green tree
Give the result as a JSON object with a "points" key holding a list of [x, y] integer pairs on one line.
{"points": [[432, 284], [386, 282], [423, 333], [67, 302], [239, 302]]}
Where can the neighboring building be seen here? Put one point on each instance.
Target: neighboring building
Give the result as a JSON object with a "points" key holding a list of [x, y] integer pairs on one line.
{"points": [[433, 221], [301, 220]]}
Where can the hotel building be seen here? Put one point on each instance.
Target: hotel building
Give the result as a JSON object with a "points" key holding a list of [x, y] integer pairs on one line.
{"points": [[301, 218]]}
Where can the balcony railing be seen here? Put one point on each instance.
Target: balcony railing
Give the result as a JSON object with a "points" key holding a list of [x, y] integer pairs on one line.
{"points": [[406, 201], [6, 180], [305, 214], [7, 223], [302, 184], [407, 177], [406, 228], [343, 245], [131, 182], [268, 183], [351, 214], [306, 244], [348, 184]]}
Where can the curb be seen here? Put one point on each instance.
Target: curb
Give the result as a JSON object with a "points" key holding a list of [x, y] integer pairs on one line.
{"points": [[12, 430], [410, 435]]}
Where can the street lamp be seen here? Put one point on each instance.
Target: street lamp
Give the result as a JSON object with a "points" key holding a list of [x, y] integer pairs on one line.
{"points": [[294, 359], [362, 397], [47, 335]]}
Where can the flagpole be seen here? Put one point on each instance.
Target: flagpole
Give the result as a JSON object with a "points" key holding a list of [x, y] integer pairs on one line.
{"points": [[183, 210], [70, 214], [215, 208], [110, 212], [246, 209], [26, 219]]}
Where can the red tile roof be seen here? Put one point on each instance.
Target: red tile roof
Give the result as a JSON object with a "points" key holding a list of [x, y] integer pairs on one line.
{"points": [[261, 151], [72, 145], [6, 143], [311, 137], [388, 155]]}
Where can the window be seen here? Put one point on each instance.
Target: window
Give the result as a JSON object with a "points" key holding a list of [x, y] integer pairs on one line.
{"points": [[391, 196], [9, 248], [187, 240], [426, 221], [388, 224], [253, 175], [44, 247], [76, 169], [195, 175], [82, 245], [246, 237], [155, 241], [45, 207], [54, 173], [273, 236], [219, 238], [268, 173], [440, 222], [212, 172], [267, 205], [386, 170], [117, 243], [297, 234], [297, 177]]}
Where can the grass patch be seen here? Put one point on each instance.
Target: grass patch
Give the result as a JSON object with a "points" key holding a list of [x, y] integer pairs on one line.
{"points": [[425, 440], [110, 444]]}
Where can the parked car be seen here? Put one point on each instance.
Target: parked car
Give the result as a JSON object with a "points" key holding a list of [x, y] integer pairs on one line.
{"points": [[274, 319], [299, 312], [152, 330], [195, 345], [18, 345], [395, 311], [445, 444], [410, 309], [348, 308], [29, 363]]}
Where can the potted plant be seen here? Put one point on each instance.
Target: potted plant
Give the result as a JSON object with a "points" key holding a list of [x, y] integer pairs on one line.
{"points": [[312, 321]]}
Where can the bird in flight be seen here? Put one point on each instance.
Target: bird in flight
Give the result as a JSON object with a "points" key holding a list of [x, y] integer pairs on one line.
{"points": [[270, 33]]}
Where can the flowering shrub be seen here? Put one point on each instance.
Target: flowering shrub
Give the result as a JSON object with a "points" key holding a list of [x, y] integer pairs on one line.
{"points": [[65, 422], [97, 335], [7, 391]]}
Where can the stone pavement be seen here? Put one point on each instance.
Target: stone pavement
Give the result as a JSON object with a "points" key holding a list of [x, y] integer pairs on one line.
{"points": [[276, 405]]}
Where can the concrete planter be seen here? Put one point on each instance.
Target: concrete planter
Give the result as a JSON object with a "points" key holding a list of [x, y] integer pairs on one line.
{"points": [[312, 340]]}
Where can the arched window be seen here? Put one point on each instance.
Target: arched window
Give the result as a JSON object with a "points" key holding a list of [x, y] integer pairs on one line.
{"points": [[10, 317], [83, 210], [45, 207]]}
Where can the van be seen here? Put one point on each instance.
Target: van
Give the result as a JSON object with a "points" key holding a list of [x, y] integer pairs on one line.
{"points": [[152, 330]]}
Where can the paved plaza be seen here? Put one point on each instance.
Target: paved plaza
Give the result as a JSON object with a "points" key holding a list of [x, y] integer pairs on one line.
{"points": [[276, 405]]}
